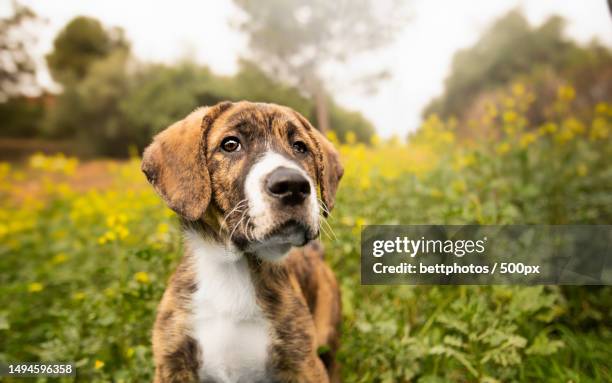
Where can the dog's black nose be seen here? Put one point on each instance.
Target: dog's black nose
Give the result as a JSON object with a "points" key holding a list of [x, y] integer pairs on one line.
{"points": [[288, 185]]}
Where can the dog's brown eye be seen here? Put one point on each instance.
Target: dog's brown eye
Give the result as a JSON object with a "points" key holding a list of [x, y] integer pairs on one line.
{"points": [[300, 147], [230, 144]]}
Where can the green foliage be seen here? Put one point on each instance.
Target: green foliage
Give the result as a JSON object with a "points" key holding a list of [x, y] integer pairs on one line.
{"points": [[21, 116], [161, 95], [115, 106], [79, 44], [88, 269], [90, 110], [95, 302], [478, 333]]}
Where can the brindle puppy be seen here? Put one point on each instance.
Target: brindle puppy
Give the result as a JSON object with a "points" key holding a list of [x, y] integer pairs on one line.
{"points": [[252, 299]]}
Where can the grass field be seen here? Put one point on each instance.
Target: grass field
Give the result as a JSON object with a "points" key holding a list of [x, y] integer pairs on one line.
{"points": [[86, 249]]}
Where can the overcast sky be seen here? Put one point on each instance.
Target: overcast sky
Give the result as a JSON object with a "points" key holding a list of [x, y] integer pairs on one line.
{"points": [[419, 59]]}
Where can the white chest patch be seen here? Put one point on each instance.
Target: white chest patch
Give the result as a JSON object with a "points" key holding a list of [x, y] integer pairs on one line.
{"points": [[228, 325]]}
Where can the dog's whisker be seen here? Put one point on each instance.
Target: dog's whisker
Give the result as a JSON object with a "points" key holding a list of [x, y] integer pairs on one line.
{"points": [[237, 224], [324, 221], [324, 229], [223, 223], [324, 207], [238, 208], [254, 237], [239, 205], [246, 228]]}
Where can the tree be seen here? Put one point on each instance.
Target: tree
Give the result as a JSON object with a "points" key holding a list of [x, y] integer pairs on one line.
{"points": [[253, 84], [294, 40], [79, 44], [510, 50], [120, 102], [17, 68], [90, 109]]}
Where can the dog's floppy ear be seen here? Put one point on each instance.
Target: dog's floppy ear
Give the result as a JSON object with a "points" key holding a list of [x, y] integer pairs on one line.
{"points": [[329, 167], [175, 163]]}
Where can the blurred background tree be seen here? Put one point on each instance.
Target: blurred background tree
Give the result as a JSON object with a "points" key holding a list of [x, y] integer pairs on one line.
{"points": [[79, 44], [90, 62], [111, 100], [17, 67], [294, 40], [18, 112], [512, 50]]}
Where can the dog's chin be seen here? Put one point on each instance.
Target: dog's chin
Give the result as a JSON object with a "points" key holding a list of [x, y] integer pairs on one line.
{"points": [[277, 243]]}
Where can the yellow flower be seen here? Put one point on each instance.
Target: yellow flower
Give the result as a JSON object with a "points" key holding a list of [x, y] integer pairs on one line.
{"points": [[364, 183], [360, 221], [550, 127], [19, 175], [503, 148], [142, 277], [168, 213], [375, 140], [162, 228], [331, 136], [509, 102], [5, 169], [459, 186], [79, 296], [111, 220], [601, 108], [35, 287], [599, 129], [510, 117], [574, 126], [564, 136], [582, 170], [350, 137], [98, 364], [59, 258], [491, 110], [129, 352], [527, 139], [436, 193], [566, 93], [38, 161], [518, 89], [462, 161], [122, 231], [122, 218]]}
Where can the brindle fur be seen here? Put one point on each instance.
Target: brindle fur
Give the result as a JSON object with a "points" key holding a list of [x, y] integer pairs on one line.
{"points": [[299, 296]]}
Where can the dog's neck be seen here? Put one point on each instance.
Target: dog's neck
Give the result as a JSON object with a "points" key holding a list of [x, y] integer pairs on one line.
{"points": [[226, 311], [212, 259], [208, 231]]}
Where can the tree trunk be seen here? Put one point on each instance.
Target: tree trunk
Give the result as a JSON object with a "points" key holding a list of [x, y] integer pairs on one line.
{"points": [[321, 111]]}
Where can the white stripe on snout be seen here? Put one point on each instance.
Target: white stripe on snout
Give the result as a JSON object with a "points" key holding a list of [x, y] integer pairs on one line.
{"points": [[259, 208]]}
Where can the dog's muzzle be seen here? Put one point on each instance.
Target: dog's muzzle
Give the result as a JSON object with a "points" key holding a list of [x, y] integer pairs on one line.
{"points": [[283, 209], [288, 186]]}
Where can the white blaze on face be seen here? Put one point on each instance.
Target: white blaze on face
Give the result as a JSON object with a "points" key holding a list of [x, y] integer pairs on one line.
{"points": [[261, 210]]}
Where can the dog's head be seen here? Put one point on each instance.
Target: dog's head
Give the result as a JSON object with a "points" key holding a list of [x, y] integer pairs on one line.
{"points": [[250, 171]]}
